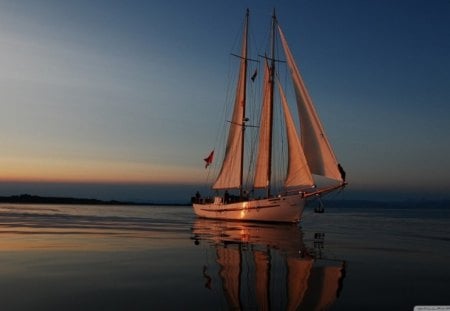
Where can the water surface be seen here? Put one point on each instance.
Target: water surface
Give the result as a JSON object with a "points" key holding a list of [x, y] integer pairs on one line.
{"points": [[74, 257]]}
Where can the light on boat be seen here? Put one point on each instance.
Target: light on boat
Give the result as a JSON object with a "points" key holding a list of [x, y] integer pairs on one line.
{"points": [[244, 209]]}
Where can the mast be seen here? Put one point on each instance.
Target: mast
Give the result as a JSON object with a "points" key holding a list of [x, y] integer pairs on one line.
{"points": [[271, 85], [244, 99]]}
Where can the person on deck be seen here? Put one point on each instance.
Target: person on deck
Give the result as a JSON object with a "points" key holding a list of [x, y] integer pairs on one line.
{"points": [[341, 170], [197, 197], [226, 197]]}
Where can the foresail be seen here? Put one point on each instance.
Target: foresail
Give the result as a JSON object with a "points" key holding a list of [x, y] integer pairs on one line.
{"points": [[298, 173], [230, 175], [318, 151], [262, 168]]}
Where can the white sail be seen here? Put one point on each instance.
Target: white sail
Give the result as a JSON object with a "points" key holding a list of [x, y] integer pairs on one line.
{"points": [[230, 175], [298, 173], [318, 151], [262, 168]]}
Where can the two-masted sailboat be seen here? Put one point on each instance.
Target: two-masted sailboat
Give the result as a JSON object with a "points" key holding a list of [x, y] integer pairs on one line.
{"points": [[308, 155]]}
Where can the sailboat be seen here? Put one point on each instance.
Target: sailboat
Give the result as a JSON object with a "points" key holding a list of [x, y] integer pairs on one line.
{"points": [[310, 157], [264, 266]]}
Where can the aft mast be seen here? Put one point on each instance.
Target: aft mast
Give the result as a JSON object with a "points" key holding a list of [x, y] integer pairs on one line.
{"points": [[263, 169], [271, 85], [244, 99]]}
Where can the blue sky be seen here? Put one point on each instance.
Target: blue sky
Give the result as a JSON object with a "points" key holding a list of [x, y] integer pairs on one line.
{"points": [[98, 93]]}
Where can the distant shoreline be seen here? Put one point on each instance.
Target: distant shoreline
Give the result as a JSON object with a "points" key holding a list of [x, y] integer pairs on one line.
{"points": [[35, 199]]}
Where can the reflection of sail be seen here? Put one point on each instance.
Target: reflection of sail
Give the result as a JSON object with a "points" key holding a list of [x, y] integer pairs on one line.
{"points": [[262, 274], [267, 266], [230, 261], [299, 271], [323, 288]]}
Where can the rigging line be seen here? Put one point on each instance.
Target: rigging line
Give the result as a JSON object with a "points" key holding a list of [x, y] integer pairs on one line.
{"points": [[248, 59], [238, 37], [242, 124], [272, 59], [333, 195]]}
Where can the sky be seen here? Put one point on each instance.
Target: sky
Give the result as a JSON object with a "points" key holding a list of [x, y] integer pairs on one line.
{"points": [[119, 99]]}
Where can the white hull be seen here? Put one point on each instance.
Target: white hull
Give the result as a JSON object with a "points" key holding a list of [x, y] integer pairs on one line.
{"points": [[278, 209]]}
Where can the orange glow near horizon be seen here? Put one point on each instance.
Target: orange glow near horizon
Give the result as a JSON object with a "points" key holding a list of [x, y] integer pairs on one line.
{"points": [[39, 170]]}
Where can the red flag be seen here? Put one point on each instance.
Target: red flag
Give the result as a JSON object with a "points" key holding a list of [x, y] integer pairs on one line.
{"points": [[209, 159]]}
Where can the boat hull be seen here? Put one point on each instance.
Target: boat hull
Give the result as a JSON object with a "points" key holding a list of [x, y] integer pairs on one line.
{"points": [[279, 209]]}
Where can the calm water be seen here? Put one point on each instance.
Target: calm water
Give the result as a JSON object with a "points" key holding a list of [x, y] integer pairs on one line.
{"points": [[72, 257]]}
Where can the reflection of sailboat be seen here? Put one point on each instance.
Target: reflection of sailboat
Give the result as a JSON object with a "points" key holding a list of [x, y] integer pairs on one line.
{"points": [[307, 155], [267, 266]]}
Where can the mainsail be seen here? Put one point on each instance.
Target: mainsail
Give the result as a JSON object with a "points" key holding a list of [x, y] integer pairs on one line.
{"points": [[262, 168], [318, 151], [230, 175]]}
